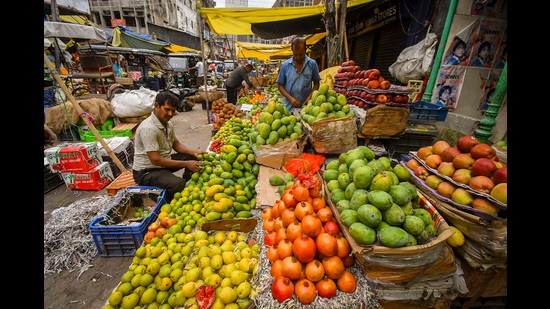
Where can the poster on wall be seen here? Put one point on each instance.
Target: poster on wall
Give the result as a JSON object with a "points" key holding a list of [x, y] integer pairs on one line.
{"points": [[489, 8], [489, 80], [448, 86], [501, 55], [482, 43], [485, 42], [460, 49]]}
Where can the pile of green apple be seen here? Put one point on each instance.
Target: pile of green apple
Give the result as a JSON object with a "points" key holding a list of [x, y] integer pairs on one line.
{"points": [[375, 201]]}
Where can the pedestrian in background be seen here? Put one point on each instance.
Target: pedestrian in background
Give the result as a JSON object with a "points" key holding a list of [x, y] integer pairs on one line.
{"points": [[199, 67], [234, 82], [298, 77]]}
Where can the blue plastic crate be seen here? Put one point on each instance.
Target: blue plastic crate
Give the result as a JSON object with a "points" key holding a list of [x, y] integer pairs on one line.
{"points": [[123, 240], [425, 111]]}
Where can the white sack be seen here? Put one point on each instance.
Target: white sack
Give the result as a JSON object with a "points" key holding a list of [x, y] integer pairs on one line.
{"points": [[414, 61], [133, 103]]}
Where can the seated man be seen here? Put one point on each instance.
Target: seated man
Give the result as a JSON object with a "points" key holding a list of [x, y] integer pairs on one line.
{"points": [[154, 162]]}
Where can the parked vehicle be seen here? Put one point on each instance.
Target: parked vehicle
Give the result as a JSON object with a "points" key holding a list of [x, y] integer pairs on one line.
{"points": [[230, 65], [140, 67], [181, 62]]}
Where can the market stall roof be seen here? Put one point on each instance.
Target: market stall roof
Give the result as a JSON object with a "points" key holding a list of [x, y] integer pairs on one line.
{"points": [[174, 48], [76, 19], [125, 38], [114, 49], [270, 23], [53, 29], [266, 51]]}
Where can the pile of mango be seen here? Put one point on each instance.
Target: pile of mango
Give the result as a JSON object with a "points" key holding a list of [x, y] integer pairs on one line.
{"points": [[275, 124], [234, 128], [375, 200], [325, 103]]}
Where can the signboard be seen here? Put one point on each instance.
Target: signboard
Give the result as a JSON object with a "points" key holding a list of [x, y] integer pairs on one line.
{"points": [[378, 16], [118, 22]]}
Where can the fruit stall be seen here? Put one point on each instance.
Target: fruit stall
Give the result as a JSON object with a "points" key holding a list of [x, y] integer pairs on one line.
{"points": [[296, 210]]}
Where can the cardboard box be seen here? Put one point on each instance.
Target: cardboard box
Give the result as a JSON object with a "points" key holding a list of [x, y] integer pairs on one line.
{"points": [[123, 148], [243, 225], [277, 155], [331, 135], [94, 179], [268, 194], [80, 157]]}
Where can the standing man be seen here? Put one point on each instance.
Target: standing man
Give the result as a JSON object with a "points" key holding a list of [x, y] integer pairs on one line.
{"points": [[154, 162], [234, 82], [298, 76], [199, 67]]}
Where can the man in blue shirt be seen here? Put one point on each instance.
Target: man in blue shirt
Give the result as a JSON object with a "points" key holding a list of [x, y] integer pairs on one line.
{"points": [[298, 76]]}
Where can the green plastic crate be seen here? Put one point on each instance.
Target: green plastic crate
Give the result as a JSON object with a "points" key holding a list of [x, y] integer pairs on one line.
{"points": [[90, 137]]}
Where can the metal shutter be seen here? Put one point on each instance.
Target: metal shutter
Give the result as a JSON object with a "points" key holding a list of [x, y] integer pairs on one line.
{"points": [[390, 42], [361, 49]]}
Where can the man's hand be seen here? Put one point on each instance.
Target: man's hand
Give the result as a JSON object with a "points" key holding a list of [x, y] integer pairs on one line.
{"points": [[198, 152], [294, 102], [194, 166]]}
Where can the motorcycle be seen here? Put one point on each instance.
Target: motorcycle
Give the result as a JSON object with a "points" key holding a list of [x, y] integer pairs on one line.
{"points": [[183, 93]]}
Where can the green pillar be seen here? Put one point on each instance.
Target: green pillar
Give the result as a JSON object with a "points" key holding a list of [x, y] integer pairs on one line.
{"points": [[427, 96], [488, 121]]}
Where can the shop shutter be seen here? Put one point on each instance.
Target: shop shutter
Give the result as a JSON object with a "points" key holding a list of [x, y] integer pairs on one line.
{"points": [[380, 48], [390, 42], [361, 50]]}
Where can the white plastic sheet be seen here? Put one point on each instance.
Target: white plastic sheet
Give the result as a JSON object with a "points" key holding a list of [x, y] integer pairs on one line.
{"points": [[414, 61], [133, 103]]}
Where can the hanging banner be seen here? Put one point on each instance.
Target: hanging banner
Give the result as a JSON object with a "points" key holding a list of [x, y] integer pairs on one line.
{"points": [[489, 8], [448, 86], [489, 80]]}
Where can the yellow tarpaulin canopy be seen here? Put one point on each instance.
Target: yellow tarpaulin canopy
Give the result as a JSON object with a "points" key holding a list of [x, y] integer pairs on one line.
{"points": [[241, 21], [76, 19], [174, 48], [266, 51]]}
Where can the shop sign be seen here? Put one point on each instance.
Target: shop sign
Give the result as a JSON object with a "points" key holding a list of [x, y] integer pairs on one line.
{"points": [[377, 17], [118, 22]]}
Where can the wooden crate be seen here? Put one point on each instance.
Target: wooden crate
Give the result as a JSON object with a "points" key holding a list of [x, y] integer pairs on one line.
{"points": [[124, 180], [127, 126]]}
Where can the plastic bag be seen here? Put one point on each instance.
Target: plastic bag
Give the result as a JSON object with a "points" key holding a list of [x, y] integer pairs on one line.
{"points": [[133, 103], [414, 61], [308, 164]]}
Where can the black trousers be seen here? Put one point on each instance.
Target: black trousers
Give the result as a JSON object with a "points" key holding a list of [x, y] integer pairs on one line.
{"points": [[232, 94], [164, 177]]}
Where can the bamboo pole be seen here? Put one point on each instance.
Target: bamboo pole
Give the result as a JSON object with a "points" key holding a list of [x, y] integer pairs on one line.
{"points": [[205, 68], [81, 114]]}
